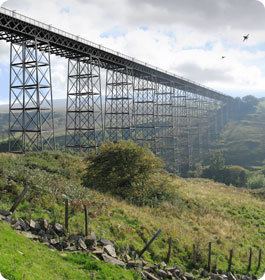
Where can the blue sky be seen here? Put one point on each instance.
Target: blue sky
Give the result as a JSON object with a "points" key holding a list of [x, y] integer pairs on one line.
{"points": [[185, 37]]}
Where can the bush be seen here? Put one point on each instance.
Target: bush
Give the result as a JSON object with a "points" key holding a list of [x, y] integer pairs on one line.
{"points": [[229, 175], [129, 171], [117, 166], [235, 175], [256, 181]]}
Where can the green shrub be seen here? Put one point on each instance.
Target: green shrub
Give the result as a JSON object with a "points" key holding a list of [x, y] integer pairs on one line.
{"points": [[235, 175], [256, 181], [128, 171]]}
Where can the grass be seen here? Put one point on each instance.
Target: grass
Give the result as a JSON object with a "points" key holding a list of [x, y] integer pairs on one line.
{"points": [[21, 258], [203, 211]]}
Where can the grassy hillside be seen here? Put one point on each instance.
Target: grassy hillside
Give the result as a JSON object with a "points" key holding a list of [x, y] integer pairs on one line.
{"points": [[244, 141], [203, 211], [21, 258]]}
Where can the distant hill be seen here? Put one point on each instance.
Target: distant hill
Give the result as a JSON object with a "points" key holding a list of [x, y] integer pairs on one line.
{"points": [[243, 141], [59, 106]]}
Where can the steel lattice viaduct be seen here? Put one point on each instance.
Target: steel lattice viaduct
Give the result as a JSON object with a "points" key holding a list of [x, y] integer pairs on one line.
{"points": [[177, 118]]}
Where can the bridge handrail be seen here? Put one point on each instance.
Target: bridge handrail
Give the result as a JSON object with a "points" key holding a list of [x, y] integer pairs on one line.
{"points": [[58, 31]]}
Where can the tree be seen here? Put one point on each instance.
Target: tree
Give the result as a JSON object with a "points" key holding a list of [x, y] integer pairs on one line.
{"points": [[117, 167]]}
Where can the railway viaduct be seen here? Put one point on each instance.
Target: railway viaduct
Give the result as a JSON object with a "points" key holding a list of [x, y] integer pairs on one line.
{"points": [[110, 96]]}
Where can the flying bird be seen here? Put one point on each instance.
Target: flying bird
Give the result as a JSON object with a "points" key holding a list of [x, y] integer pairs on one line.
{"points": [[245, 37], [262, 2], [223, 57]]}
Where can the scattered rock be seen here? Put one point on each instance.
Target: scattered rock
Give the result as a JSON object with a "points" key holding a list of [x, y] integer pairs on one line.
{"points": [[58, 228], [150, 276], [110, 250], [231, 276], [109, 259], [91, 240], [82, 244], [30, 235], [162, 273], [189, 276], [105, 242], [21, 225], [5, 213], [134, 264]]}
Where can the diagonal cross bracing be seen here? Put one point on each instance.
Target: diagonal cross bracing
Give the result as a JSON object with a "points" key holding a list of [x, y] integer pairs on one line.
{"points": [[30, 108], [84, 105], [118, 122]]}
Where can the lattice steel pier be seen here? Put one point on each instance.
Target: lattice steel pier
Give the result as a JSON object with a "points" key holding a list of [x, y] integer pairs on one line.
{"points": [[31, 107], [84, 129], [118, 121]]}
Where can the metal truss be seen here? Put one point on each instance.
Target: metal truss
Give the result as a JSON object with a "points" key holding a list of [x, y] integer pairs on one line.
{"points": [[164, 124], [31, 126], [180, 131], [84, 129], [144, 112], [118, 104]]}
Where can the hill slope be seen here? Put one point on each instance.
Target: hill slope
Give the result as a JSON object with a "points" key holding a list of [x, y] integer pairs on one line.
{"points": [[244, 141], [203, 211]]}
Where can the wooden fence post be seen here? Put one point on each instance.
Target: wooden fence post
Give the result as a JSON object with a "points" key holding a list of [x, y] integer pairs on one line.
{"points": [[209, 256], [259, 259], [86, 220], [66, 215], [150, 242], [250, 259], [169, 250], [230, 260], [19, 198]]}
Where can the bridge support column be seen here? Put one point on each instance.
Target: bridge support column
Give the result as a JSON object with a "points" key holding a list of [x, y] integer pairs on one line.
{"points": [[164, 124], [144, 112], [84, 130], [118, 104], [181, 131], [31, 126]]}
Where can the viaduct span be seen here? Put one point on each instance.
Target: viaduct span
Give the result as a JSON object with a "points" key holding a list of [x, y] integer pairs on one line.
{"points": [[110, 96]]}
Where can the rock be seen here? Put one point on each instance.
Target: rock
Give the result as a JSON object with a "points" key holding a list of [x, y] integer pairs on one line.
{"points": [[105, 242], [150, 276], [162, 273], [204, 273], [230, 276], [5, 213], [189, 276], [44, 224], [109, 259], [98, 251], [54, 241], [30, 235], [58, 228], [224, 277], [81, 244], [216, 277], [32, 225], [21, 225], [110, 250], [134, 264], [91, 240]]}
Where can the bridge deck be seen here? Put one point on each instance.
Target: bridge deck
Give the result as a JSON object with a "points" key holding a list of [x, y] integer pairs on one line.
{"points": [[16, 27]]}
